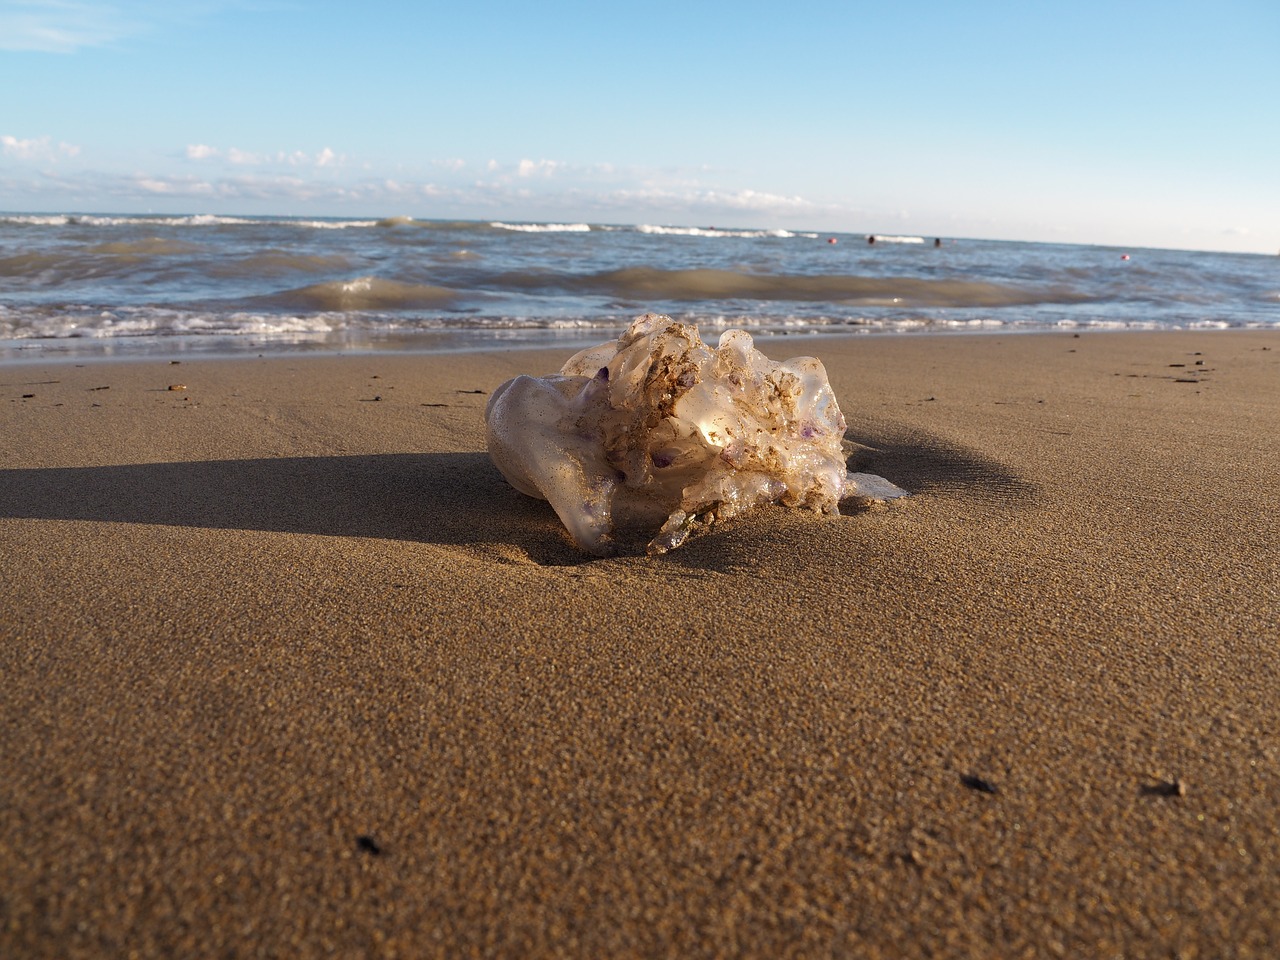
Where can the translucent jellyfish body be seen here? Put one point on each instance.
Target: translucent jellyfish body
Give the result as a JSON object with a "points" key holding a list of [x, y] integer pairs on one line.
{"points": [[656, 430]]}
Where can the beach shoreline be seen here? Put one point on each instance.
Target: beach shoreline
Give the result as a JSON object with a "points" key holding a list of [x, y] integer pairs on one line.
{"points": [[290, 669], [205, 348]]}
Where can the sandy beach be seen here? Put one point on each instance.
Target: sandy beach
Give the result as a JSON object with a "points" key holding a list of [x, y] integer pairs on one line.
{"points": [[289, 670]]}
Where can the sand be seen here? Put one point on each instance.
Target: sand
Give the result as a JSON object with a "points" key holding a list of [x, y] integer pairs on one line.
{"points": [[289, 670]]}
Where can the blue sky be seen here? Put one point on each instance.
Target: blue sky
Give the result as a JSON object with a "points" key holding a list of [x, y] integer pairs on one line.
{"points": [[1125, 123]]}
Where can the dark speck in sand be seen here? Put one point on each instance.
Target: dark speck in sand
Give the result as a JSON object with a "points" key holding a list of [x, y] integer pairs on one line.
{"points": [[978, 783], [1166, 788], [366, 844], [468, 391]]}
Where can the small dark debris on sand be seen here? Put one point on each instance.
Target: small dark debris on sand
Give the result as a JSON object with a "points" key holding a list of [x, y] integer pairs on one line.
{"points": [[1166, 788], [978, 783]]}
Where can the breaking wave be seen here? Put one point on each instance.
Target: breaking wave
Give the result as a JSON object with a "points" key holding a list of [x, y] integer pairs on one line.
{"points": [[193, 220], [543, 227], [653, 284], [101, 276], [363, 293], [717, 232]]}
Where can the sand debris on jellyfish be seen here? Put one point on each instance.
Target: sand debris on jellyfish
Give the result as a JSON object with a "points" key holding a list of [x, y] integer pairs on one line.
{"points": [[659, 431]]}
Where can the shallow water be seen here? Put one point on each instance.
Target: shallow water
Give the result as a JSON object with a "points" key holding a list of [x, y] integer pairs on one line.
{"points": [[132, 284]]}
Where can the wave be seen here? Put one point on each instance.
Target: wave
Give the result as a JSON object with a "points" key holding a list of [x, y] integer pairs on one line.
{"points": [[392, 222], [543, 227], [362, 294], [157, 259], [653, 284], [157, 324], [148, 247], [473, 226], [717, 232], [189, 220], [275, 263], [86, 323], [42, 267], [881, 238], [193, 220], [321, 224]]}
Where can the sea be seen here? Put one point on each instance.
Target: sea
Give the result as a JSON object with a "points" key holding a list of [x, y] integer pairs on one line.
{"points": [[80, 286]]}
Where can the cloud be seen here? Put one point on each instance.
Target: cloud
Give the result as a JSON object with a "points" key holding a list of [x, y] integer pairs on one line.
{"points": [[39, 149], [232, 180], [245, 158], [242, 158], [704, 200], [187, 187], [541, 168], [66, 26], [59, 26]]}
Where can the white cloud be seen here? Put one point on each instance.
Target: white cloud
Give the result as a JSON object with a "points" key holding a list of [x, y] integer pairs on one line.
{"points": [[181, 187], [242, 158], [59, 26], [65, 26], [703, 201], [541, 168], [233, 179], [39, 149], [246, 158]]}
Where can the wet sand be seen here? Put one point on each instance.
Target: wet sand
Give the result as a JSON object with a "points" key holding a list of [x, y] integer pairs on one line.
{"points": [[289, 670]]}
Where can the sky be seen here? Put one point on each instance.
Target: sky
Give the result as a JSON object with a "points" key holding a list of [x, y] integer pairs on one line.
{"points": [[1136, 123]]}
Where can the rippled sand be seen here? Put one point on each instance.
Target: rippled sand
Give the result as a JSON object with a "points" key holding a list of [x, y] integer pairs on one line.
{"points": [[290, 670]]}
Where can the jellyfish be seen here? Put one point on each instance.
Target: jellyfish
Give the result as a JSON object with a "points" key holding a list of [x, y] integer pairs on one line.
{"points": [[657, 431]]}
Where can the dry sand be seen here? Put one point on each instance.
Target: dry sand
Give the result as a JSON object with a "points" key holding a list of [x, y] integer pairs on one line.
{"points": [[288, 670]]}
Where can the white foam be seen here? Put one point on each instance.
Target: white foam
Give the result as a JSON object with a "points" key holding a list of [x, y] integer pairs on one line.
{"points": [[192, 220], [881, 238], [34, 220], [716, 232], [543, 227], [328, 224], [85, 323]]}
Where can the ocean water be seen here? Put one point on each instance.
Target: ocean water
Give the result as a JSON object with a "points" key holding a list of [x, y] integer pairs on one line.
{"points": [[122, 285]]}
